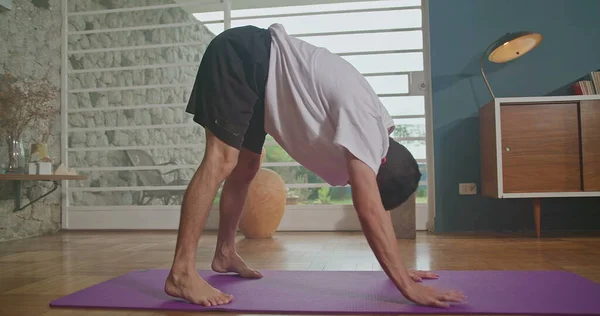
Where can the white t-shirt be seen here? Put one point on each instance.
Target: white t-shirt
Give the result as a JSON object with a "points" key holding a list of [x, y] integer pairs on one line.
{"points": [[318, 104]]}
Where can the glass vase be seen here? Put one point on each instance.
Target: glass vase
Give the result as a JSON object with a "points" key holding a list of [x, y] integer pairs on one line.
{"points": [[16, 154]]}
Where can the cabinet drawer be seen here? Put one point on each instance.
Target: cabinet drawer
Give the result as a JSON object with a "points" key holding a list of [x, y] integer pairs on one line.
{"points": [[540, 148]]}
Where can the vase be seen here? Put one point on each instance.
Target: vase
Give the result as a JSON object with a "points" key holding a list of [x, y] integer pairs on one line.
{"points": [[265, 205], [16, 154]]}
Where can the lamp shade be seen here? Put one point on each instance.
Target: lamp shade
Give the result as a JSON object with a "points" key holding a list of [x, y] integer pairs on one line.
{"points": [[514, 45]]}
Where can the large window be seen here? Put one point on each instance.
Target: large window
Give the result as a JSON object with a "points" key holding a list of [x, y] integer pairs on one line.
{"points": [[128, 70], [383, 40]]}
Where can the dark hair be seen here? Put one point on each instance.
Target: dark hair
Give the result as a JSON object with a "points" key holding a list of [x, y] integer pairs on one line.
{"points": [[398, 177]]}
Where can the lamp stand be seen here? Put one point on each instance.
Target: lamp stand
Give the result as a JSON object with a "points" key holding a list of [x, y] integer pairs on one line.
{"points": [[481, 68], [523, 41]]}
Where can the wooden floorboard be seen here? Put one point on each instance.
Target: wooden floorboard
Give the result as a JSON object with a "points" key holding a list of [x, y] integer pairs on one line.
{"points": [[37, 270]]}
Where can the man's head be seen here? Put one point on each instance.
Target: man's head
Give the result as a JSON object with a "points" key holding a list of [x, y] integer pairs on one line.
{"points": [[398, 177]]}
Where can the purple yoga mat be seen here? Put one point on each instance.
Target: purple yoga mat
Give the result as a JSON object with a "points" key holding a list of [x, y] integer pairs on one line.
{"points": [[350, 292]]}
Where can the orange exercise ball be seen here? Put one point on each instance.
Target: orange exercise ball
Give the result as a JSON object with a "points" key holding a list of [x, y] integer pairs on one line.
{"points": [[265, 205]]}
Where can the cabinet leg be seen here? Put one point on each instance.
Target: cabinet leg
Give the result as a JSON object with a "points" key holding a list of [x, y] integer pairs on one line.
{"points": [[537, 214]]}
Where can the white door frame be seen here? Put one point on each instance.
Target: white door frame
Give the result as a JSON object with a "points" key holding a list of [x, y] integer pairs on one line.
{"points": [[429, 118]]}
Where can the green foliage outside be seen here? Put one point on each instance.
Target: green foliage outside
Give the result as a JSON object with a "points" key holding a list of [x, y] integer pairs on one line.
{"points": [[324, 195]]}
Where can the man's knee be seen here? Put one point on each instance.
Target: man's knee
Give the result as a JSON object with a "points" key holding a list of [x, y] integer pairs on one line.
{"points": [[221, 159], [247, 166], [227, 164]]}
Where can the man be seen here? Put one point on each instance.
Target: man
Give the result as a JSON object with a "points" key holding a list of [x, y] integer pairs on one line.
{"points": [[252, 82]]}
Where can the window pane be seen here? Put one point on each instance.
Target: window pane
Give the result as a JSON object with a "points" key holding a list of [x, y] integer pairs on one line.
{"points": [[339, 22], [326, 195], [422, 194], [311, 196], [210, 16], [335, 196], [236, 12], [423, 169], [422, 190], [411, 127], [215, 28], [276, 154], [351, 43], [296, 174], [328, 7], [386, 62], [416, 147], [405, 105], [348, 43], [389, 84]]}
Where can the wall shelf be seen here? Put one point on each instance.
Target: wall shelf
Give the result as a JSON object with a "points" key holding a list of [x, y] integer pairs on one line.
{"points": [[17, 178]]}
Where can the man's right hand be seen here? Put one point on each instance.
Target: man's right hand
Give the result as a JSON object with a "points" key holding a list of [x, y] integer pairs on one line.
{"points": [[378, 229], [428, 296]]}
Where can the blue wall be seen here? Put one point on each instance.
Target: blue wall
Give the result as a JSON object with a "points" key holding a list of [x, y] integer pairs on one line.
{"points": [[460, 31]]}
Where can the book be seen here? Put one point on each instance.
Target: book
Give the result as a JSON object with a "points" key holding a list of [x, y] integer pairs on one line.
{"points": [[583, 87], [587, 87], [595, 78]]}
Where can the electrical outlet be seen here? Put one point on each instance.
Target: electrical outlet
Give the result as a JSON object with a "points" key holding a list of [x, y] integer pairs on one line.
{"points": [[467, 188]]}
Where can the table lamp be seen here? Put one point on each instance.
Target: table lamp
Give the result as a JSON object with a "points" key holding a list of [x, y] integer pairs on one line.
{"points": [[508, 47]]}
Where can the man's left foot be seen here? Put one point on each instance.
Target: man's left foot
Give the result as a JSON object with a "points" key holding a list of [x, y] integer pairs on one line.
{"points": [[233, 263]]}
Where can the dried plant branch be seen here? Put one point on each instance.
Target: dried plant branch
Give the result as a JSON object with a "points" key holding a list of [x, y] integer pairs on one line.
{"points": [[24, 104]]}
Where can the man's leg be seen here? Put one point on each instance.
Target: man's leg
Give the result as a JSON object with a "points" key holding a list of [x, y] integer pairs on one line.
{"points": [[183, 280], [233, 198]]}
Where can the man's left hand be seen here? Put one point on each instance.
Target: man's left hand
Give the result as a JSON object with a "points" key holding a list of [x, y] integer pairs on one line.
{"points": [[418, 275]]}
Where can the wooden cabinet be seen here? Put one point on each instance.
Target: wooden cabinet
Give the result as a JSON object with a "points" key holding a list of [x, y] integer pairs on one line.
{"points": [[540, 148], [590, 144]]}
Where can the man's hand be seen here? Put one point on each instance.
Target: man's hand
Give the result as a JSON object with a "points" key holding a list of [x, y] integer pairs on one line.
{"points": [[418, 276], [378, 230], [428, 296]]}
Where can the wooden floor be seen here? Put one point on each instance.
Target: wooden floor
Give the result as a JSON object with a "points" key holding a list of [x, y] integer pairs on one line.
{"points": [[38, 270]]}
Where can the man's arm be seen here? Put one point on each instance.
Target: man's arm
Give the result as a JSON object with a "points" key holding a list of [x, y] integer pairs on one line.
{"points": [[375, 223], [378, 230]]}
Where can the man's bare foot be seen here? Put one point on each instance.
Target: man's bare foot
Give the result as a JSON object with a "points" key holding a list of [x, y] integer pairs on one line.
{"points": [[192, 288], [232, 262]]}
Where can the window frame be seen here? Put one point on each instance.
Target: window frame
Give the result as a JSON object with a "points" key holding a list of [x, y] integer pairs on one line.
{"points": [[166, 217]]}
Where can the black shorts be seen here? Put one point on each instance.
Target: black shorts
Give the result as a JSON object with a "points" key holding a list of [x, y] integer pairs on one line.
{"points": [[228, 97]]}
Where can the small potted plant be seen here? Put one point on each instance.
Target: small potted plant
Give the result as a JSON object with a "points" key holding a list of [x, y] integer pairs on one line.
{"points": [[24, 104]]}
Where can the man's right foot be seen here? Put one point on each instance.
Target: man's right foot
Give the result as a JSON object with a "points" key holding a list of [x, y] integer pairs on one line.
{"points": [[192, 288]]}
